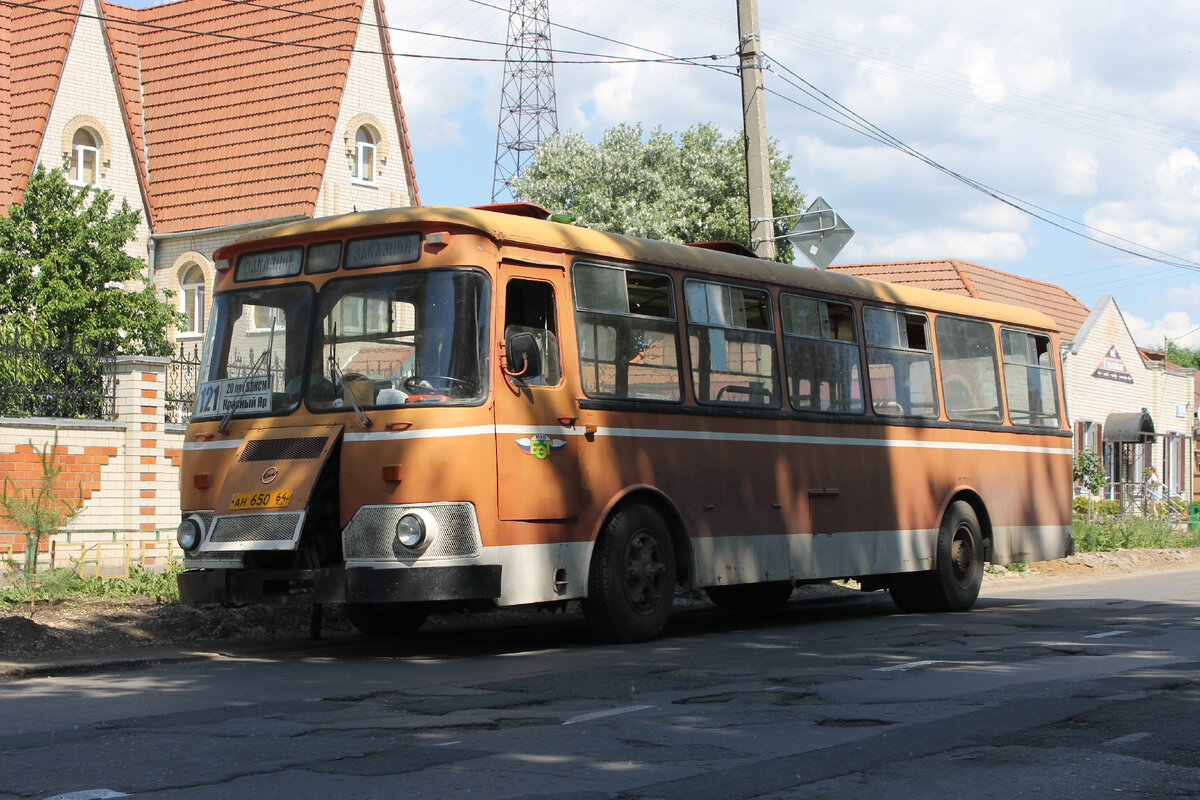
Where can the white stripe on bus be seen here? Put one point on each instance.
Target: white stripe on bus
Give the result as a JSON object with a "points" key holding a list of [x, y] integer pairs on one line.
{"points": [[711, 436]]}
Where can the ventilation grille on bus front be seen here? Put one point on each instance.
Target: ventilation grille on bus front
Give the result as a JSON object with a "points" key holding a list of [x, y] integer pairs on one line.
{"points": [[250, 528], [283, 449]]}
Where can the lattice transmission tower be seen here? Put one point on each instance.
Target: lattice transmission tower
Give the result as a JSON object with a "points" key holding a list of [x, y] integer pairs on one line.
{"points": [[528, 110]]}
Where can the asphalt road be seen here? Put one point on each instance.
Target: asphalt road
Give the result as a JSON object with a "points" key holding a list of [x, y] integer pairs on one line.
{"points": [[1080, 689]]}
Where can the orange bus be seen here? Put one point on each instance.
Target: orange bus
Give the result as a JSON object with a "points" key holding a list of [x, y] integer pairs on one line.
{"points": [[418, 409]]}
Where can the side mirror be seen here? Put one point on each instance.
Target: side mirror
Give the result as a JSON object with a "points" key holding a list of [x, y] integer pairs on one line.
{"points": [[524, 357]]}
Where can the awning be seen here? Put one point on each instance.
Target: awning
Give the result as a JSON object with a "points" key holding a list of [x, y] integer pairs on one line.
{"points": [[1136, 427]]}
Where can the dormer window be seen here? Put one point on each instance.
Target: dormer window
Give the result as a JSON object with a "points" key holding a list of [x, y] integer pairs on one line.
{"points": [[191, 285], [362, 168], [85, 155]]}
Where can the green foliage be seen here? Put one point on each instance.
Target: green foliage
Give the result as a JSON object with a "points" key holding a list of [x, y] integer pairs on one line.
{"points": [[61, 584], [39, 510], [1088, 469], [62, 268], [1183, 356], [689, 187], [1114, 533]]}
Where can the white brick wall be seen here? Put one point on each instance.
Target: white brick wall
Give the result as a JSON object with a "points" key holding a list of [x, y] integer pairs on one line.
{"points": [[366, 92]]}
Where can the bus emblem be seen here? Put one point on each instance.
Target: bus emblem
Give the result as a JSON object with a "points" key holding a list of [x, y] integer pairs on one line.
{"points": [[269, 474], [540, 445]]}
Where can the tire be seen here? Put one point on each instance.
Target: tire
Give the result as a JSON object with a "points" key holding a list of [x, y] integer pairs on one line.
{"points": [[631, 584], [751, 598], [953, 585], [386, 619], [959, 560]]}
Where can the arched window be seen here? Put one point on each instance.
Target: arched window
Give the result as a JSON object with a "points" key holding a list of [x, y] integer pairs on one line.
{"points": [[85, 152], [191, 285], [363, 168]]}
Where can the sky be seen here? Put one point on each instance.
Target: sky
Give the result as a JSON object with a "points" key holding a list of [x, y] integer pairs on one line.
{"points": [[1086, 114]]}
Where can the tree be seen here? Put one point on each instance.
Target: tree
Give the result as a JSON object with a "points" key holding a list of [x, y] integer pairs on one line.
{"points": [[1183, 356], [39, 510], [689, 187], [63, 266], [1088, 472]]}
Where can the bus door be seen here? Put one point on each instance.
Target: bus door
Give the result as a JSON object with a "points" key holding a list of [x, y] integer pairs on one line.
{"points": [[537, 461]]}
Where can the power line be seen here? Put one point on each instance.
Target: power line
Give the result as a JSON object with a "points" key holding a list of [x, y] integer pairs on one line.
{"points": [[861, 125]]}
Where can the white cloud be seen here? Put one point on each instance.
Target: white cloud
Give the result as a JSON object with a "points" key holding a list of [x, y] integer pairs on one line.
{"points": [[935, 243], [1178, 326]]}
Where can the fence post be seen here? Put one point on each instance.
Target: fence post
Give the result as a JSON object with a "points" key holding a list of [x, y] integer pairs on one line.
{"points": [[151, 491]]}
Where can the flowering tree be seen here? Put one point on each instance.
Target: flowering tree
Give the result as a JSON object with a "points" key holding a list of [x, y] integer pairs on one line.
{"points": [[686, 187]]}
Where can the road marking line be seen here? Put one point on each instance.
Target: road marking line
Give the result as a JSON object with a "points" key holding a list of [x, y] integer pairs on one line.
{"points": [[906, 667], [609, 713], [87, 794], [1106, 634]]}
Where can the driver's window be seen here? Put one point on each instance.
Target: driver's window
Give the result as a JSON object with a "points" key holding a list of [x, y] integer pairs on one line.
{"points": [[529, 308]]}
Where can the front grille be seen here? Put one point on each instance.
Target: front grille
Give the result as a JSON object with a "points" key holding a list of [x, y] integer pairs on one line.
{"points": [[269, 531], [371, 534], [283, 449]]}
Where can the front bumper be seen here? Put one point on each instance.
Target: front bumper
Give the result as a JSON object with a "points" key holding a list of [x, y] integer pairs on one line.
{"points": [[340, 585]]}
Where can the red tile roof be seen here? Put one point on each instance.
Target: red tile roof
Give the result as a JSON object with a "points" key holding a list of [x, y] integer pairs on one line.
{"points": [[974, 280], [229, 107], [39, 40]]}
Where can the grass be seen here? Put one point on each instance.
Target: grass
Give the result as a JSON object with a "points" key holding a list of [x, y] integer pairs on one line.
{"points": [[61, 584], [1112, 533]]}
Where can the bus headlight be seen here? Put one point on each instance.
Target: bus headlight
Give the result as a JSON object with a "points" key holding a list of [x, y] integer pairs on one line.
{"points": [[415, 529], [188, 534]]}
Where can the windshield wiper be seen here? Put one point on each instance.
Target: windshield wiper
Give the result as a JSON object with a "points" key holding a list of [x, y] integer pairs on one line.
{"points": [[336, 371], [265, 358]]}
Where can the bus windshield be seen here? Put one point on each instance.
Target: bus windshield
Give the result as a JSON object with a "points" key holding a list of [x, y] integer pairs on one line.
{"points": [[399, 339], [254, 356]]}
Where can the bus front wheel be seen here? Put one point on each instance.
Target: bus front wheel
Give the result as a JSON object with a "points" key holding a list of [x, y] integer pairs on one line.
{"points": [[954, 585], [632, 581], [386, 619]]}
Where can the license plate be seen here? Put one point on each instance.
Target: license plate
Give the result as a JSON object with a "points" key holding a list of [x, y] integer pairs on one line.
{"points": [[245, 500]]}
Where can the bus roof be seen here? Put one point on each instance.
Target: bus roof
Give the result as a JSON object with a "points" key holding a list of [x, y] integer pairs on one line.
{"points": [[507, 228]]}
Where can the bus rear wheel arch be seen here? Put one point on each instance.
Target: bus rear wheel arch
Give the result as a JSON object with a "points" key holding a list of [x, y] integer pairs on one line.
{"points": [[955, 581], [631, 582]]}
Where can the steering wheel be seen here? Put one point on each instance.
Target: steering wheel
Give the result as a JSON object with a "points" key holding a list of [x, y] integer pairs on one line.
{"points": [[422, 384]]}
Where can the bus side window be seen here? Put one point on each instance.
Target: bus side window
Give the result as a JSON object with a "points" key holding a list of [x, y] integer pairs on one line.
{"points": [[732, 343], [529, 308], [821, 355], [628, 339], [967, 355], [900, 363], [1029, 378]]}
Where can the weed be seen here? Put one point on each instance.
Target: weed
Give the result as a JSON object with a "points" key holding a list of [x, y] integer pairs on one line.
{"points": [[1108, 534]]}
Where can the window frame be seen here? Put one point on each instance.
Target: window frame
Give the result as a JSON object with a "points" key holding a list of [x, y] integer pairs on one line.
{"points": [[78, 153], [359, 159], [198, 296], [769, 334], [1055, 370], [581, 311], [897, 312], [856, 343], [1001, 399]]}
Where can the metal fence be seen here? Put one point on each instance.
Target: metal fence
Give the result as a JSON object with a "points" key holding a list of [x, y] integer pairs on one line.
{"points": [[40, 377], [182, 375]]}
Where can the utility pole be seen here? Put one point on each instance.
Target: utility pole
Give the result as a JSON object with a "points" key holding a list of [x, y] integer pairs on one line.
{"points": [[528, 108], [754, 112]]}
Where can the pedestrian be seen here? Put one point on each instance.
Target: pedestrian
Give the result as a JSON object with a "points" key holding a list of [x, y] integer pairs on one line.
{"points": [[1154, 490]]}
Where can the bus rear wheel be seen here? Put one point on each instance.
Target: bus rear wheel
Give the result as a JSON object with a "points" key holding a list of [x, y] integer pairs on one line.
{"points": [[751, 598], [386, 619], [955, 583], [631, 585]]}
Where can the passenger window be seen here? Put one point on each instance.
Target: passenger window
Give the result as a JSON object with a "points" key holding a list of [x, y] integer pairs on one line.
{"points": [[1029, 378], [732, 344], [967, 356], [628, 337], [899, 363], [821, 355]]}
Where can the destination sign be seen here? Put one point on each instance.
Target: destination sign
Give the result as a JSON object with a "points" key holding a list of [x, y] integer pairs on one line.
{"points": [[269, 264], [383, 250], [240, 394]]}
